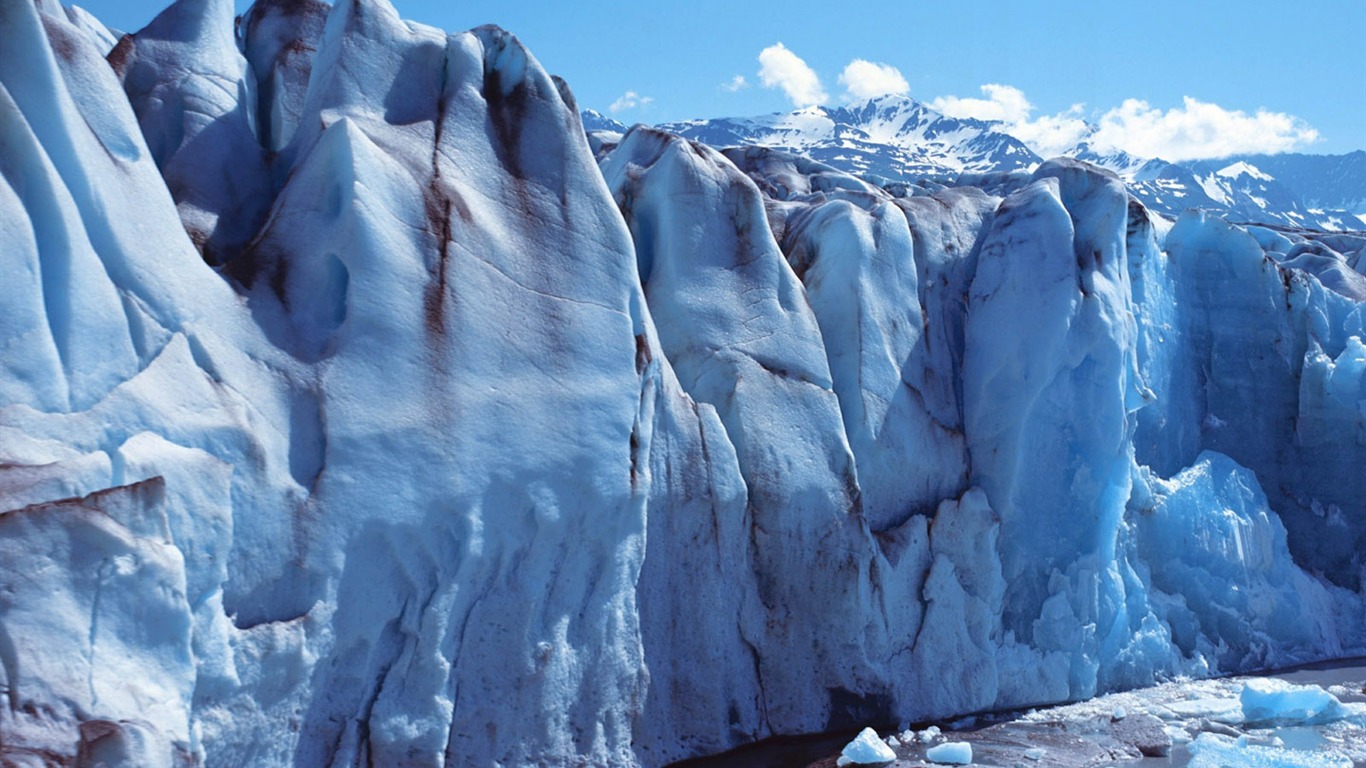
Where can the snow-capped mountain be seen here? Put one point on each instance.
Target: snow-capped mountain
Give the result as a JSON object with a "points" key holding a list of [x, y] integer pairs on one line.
{"points": [[899, 139], [889, 138], [356, 410], [1321, 191], [596, 122], [1324, 182], [1234, 188]]}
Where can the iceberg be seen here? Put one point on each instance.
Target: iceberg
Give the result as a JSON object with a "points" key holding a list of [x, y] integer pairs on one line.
{"points": [[1274, 702]]}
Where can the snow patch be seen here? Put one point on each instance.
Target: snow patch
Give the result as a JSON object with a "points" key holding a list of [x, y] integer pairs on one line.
{"points": [[1242, 168]]}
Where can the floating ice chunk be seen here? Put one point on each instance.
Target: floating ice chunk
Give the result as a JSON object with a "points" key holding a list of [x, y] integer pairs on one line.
{"points": [[1210, 751], [1119, 714], [950, 753], [866, 749], [892, 742], [1277, 702], [1035, 753], [1219, 710], [929, 734]]}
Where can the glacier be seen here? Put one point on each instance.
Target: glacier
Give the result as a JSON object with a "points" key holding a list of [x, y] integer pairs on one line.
{"points": [[357, 408]]}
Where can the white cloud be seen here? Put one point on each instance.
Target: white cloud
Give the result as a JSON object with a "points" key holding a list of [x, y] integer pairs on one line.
{"points": [[1047, 135], [1199, 130], [1193, 131], [737, 83], [1002, 102], [629, 100], [781, 68], [863, 79], [1052, 135]]}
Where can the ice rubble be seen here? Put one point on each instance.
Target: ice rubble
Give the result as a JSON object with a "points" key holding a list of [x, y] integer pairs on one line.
{"points": [[1222, 722], [1215, 751], [467, 451]]}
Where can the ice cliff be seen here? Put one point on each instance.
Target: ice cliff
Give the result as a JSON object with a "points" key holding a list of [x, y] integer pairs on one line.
{"points": [[352, 413]]}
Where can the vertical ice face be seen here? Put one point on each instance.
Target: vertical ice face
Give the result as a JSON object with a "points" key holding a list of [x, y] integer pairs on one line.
{"points": [[446, 251], [1260, 334], [95, 598], [62, 352], [954, 658], [1167, 435], [735, 326], [195, 99], [124, 457], [1209, 538], [854, 254], [279, 38], [696, 592], [1049, 386], [946, 231]]}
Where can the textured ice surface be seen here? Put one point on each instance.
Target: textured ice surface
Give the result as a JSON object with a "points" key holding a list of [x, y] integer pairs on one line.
{"points": [[195, 99], [1215, 549], [950, 753], [867, 749], [1274, 702], [347, 399], [1216, 751]]}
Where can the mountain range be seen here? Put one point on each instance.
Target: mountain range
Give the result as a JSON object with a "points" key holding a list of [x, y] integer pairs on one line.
{"points": [[896, 140]]}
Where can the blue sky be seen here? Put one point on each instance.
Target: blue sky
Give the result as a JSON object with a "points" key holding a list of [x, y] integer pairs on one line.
{"points": [[1299, 64]]}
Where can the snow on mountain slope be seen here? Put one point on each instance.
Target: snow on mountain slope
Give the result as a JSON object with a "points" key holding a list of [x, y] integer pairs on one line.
{"points": [[1325, 182], [888, 138], [895, 139], [1234, 187], [474, 450]]}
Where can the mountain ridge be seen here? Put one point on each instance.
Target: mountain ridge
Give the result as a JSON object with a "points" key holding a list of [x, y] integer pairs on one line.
{"points": [[900, 140]]}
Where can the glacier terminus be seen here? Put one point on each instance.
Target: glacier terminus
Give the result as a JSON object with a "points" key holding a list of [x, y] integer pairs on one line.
{"points": [[361, 404]]}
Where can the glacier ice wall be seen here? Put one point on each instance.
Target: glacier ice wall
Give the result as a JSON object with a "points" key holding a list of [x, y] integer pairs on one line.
{"points": [[352, 412]]}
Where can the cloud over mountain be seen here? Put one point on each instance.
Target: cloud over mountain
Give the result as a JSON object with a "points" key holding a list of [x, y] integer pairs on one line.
{"points": [[863, 79], [781, 68]]}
